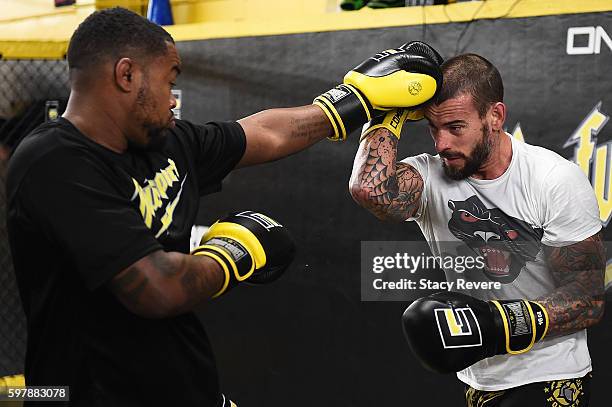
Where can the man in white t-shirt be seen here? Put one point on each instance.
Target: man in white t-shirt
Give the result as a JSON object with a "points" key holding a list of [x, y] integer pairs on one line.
{"points": [[530, 215]]}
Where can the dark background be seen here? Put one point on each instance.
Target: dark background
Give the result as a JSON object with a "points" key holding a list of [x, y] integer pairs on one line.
{"points": [[308, 339]]}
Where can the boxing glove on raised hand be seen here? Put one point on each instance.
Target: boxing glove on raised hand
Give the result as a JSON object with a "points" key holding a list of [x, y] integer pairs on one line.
{"points": [[407, 76], [450, 331], [249, 246], [393, 121]]}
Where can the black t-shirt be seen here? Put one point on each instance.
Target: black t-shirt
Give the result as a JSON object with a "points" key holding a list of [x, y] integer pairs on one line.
{"points": [[80, 213]]}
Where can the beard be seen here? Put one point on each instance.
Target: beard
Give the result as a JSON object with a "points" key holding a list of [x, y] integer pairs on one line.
{"points": [[156, 133], [157, 137], [480, 153]]}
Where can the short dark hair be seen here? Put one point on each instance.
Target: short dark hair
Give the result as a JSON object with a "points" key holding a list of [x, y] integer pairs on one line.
{"points": [[473, 75], [112, 34]]}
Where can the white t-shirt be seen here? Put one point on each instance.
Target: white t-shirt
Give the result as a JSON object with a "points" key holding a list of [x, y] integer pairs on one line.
{"points": [[541, 199]]}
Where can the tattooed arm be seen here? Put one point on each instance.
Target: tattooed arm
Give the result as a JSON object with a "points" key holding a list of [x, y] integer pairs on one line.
{"points": [[390, 190], [578, 301], [277, 133], [164, 284]]}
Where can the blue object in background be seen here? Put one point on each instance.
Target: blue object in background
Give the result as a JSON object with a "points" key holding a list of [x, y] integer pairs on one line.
{"points": [[160, 12]]}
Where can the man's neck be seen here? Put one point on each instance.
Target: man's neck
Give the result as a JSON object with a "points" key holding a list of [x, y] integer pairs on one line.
{"points": [[499, 159], [96, 121]]}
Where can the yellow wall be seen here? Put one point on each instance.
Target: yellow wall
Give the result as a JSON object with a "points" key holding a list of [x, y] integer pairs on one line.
{"points": [[36, 29], [197, 11]]}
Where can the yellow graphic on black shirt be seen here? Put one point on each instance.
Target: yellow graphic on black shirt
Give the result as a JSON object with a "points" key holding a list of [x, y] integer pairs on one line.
{"points": [[154, 195]]}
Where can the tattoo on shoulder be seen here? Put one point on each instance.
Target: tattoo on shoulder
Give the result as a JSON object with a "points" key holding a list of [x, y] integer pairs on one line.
{"points": [[578, 270]]}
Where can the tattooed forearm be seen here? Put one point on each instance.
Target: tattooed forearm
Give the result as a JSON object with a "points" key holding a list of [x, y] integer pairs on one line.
{"points": [[390, 190], [310, 130], [276, 133], [131, 284], [200, 280], [578, 270], [167, 283]]}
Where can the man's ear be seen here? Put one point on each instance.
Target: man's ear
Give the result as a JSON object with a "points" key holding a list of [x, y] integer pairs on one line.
{"points": [[125, 75], [498, 116]]}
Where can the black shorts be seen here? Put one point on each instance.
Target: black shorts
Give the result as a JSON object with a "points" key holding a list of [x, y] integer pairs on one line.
{"points": [[556, 393]]}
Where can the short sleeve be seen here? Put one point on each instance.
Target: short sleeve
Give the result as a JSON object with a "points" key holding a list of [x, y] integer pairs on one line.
{"points": [[72, 200], [218, 147], [420, 163], [570, 209]]}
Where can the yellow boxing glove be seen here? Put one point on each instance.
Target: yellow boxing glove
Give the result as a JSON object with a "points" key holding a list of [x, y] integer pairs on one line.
{"points": [[393, 121], [249, 246], [407, 76]]}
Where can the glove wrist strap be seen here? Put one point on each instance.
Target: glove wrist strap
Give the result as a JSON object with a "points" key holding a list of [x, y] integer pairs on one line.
{"points": [[346, 109], [523, 322], [392, 121], [235, 261]]}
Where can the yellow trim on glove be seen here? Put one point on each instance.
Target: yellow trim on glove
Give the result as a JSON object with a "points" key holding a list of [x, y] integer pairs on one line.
{"points": [[223, 266], [545, 317], [229, 259], [337, 136], [399, 89], [507, 329], [392, 121], [243, 235], [363, 102]]}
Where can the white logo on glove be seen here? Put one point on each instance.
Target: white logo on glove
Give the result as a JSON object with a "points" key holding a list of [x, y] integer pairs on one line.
{"points": [[458, 327]]}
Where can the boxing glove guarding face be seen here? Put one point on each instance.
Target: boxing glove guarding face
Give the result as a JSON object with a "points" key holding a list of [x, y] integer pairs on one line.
{"points": [[407, 76]]}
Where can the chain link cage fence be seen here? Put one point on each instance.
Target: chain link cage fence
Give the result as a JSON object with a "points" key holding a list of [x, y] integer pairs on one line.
{"points": [[30, 92]]}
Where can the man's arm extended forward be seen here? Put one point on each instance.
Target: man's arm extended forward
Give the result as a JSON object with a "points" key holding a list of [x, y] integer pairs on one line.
{"points": [[578, 270], [164, 284], [276, 133], [390, 190]]}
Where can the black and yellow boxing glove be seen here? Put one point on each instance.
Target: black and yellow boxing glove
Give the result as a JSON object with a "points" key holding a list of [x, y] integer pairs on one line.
{"points": [[449, 331], [249, 246], [393, 121], [407, 76]]}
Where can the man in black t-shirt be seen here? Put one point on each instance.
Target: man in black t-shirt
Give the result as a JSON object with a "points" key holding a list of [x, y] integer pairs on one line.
{"points": [[95, 212], [102, 201]]}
